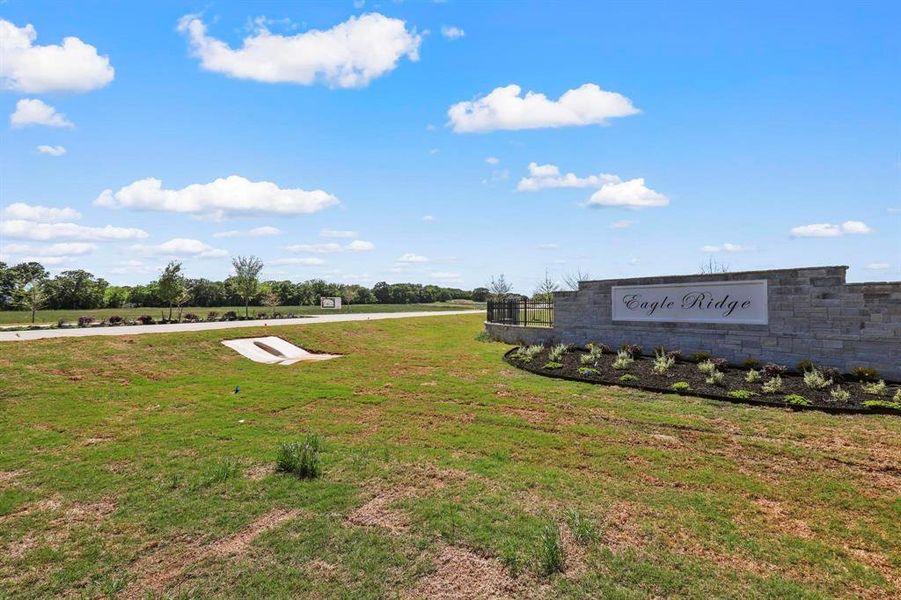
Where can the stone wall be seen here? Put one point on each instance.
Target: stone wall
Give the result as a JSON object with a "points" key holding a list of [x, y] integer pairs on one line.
{"points": [[813, 314]]}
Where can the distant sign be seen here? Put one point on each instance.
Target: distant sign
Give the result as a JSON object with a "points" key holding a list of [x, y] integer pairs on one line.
{"points": [[738, 302], [330, 302]]}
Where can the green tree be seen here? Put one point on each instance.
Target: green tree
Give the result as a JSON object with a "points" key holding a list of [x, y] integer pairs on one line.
{"points": [[32, 297], [246, 279], [76, 289], [171, 284]]}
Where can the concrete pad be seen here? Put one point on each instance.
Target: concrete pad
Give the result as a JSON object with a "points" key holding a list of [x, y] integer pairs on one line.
{"points": [[273, 350]]}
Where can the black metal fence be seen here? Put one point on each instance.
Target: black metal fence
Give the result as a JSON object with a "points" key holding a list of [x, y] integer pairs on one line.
{"points": [[529, 313]]}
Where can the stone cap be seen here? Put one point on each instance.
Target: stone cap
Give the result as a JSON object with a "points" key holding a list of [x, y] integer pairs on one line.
{"points": [[823, 271]]}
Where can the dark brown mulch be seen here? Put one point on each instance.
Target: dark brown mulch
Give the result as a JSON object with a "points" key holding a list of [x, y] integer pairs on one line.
{"points": [[792, 383]]}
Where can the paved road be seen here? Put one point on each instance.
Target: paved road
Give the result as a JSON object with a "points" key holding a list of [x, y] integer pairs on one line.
{"points": [[40, 334]]}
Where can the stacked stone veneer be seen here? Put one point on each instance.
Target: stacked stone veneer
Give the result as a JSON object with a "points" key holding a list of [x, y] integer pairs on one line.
{"points": [[813, 314]]}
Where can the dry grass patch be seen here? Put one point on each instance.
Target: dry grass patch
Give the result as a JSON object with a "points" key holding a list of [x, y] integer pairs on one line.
{"points": [[462, 574]]}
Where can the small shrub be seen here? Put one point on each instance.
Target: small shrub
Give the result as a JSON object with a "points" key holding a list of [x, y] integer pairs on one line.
{"points": [[145, 320], [553, 365], [773, 385], [897, 396], [717, 378], [85, 321], [212, 315], [741, 394], [772, 369], [300, 458], [230, 315], [550, 552], [633, 350], [527, 353], [865, 374], [482, 336], [752, 376], [628, 378], [815, 380], [60, 323], [601, 348], [583, 528], [681, 386], [796, 400], [593, 355], [720, 363], [556, 353], [676, 355], [839, 395], [706, 367], [191, 318], [831, 373], [699, 356], [587, 371], [882, 404], [805, 366], [874, 389], [662, 363], [751, 363], [115, 320], [623, 361]]}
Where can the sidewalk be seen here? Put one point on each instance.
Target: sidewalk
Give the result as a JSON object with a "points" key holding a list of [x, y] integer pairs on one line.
{"points": [[22, 336]]}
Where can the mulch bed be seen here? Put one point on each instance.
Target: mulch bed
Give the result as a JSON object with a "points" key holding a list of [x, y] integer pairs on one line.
{"points": [[687, 371]]}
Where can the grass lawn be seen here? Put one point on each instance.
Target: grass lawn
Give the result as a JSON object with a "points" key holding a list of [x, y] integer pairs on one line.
{"points": [[128, 468], [19, 317]]}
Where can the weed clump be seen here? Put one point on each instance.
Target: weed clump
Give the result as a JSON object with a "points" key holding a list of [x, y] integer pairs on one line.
{"points": [[300, 458], [550, 552], [582, 527]]}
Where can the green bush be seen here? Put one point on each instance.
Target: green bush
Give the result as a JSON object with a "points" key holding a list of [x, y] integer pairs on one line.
{"points": [[582, 527], [699, 356], [662, 363], [623, 360], [751, 363], [681, 386], [741, 394], [805, 366], [706, 367], [628, 377], [300, 458], [527, 353], [874, 389], [587, 371], [882, 404], [752, 376], [717, 378], [550, 552], [796, 400], [865, 374], [557, 352], [815, 380], [773, 385], [553, 365], [840, 395]]}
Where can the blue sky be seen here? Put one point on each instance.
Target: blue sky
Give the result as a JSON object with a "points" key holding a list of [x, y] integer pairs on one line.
{"points": [[762, 135]]}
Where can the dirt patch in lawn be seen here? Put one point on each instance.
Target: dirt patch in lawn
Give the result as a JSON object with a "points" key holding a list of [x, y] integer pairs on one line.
{"points": [[9, 476], [258, 472], [153, 573], [461, 573], [776, 517], [378, 512]]}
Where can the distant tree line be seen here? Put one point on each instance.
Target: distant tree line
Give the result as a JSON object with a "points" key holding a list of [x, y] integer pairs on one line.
{"points": [[29, 286]]}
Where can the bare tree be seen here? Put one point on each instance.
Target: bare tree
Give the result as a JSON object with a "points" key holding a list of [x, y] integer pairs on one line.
{"points": [[247, 278], [713, 266], [546, 288], [572, 279], [33, 297], [499, 288]]}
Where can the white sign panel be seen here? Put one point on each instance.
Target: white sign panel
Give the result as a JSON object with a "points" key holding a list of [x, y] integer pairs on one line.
{"points": [[738, 302]]}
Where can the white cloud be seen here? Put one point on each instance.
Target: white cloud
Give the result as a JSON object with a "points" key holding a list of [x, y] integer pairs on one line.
{"points": [[360, 246], [830, 230], [71, 248], [310, 261], [184, 247], [548, 176], [428, 218], [493, 160], [43, 214], [31, 230], [30, 111], [233, 194], [265, 231], [622, 224], [550, 246], [72, 66], [332, 247], [727, 247], [879, 266], [337, 233], [349, 55], [451, 32], [410, 258], [628, 194], [51, 150], [505, 108]]}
